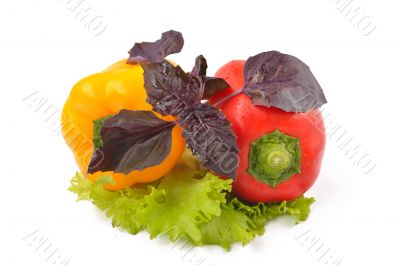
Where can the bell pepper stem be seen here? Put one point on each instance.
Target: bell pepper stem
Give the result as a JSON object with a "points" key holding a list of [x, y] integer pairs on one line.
{"points": [[274, 158]]}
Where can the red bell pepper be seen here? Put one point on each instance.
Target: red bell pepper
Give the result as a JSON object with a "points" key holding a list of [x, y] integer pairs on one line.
{"points": [[280, 151]]}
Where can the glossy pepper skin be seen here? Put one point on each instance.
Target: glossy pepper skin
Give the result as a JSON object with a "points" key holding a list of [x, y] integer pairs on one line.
{"points": [[120, 86], [251, 122]]}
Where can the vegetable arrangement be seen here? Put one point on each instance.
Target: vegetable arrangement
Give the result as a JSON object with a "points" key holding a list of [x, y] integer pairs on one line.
{"points": [[189, 156]]}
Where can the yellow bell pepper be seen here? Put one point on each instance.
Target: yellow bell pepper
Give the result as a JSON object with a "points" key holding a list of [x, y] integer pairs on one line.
{"points": [[120, 86]]}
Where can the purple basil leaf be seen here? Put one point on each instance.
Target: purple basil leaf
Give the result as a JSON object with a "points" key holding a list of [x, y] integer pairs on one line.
{"points": [[170, 42], [213, 85], [200, 66], [132, 140], [169, 89], [283, 81], [210, 137], [210, 85]]}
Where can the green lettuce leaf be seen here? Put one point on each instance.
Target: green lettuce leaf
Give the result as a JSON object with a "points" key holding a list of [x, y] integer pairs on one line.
{"points": [[231, 226], [240, 222], [181, 202], [190, 204]]}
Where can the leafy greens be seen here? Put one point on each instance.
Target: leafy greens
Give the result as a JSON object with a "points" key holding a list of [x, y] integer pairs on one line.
{"points": [[186, 204]]}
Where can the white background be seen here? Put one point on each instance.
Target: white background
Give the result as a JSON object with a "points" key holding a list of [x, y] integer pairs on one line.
{"points": [[45, 48]]}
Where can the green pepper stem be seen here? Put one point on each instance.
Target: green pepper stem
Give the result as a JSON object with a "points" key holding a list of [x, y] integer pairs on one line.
{"points": [[274, 158]]}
